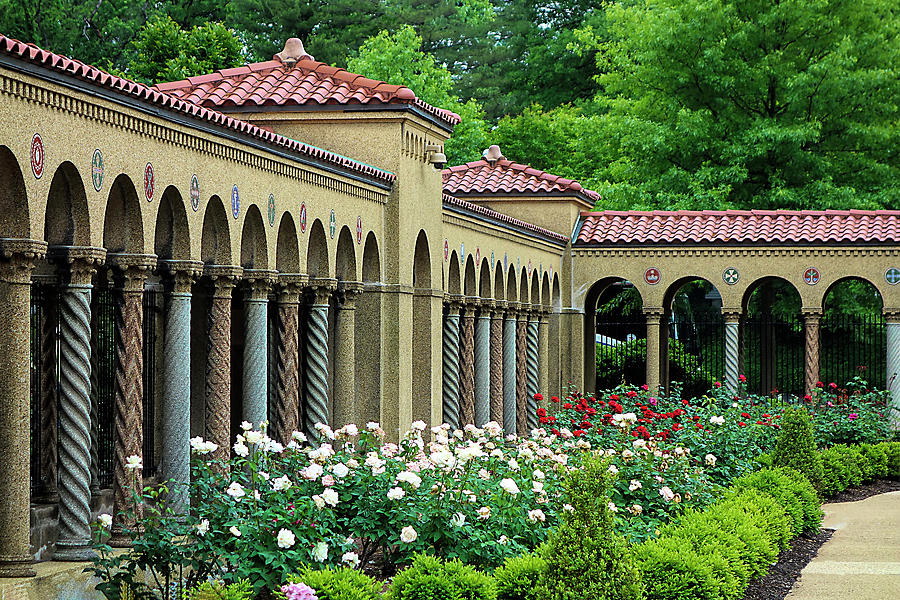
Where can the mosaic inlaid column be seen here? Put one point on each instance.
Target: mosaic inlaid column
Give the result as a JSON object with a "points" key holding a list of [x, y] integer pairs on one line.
{"points": [[467, 364], [532, 368], [497, 364], [509, 369], [79, 263], [16, 263], [130, 272], [654, 328], [732, 348], [255, 379], [450, 343], [175, 449], [892, 331], [286, 412], [316, 409], [483, 364], [345, 407], [544, 354], [218, 359], [521, 372], [811, 320]]}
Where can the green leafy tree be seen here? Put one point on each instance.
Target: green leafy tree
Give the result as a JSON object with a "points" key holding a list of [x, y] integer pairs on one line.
{"points": [[751, 103], [165, 52], [397, 58]]}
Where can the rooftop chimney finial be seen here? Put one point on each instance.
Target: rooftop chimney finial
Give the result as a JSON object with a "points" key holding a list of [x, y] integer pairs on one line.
{"points": [[293, 51], [493, 154]]}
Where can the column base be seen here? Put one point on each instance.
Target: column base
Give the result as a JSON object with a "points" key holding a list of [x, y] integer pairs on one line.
{"points": [[17, 566], [74, 552], [119, 540]]}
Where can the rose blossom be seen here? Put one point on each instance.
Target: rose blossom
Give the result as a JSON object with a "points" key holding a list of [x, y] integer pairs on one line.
{"points": [[298, 591], [509, 486], [395, 493], [320, 552], [351, 558], [286, 538], [408, 535]]}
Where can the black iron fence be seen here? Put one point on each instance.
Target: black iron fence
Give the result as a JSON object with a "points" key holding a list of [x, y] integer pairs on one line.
{"points": [[621, 350], [153, 311], [696, 354], [851, 345], [773, 355]]}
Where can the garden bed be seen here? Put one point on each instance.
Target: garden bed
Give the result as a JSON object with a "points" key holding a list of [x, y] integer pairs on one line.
{"points": [[781, 576], [879, 486]]}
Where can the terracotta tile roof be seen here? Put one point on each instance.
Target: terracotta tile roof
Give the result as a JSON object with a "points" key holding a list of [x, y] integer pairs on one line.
{"points": [[738, 226], [308, 82], [492, 214], [506, 177], [141, 92]]}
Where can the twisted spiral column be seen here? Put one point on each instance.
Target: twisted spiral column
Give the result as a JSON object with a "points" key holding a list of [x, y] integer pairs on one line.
{"points": [[483, 365], [218, 360], [450, 399], [256, 343], [316, 409], [467, 367], [544, 354], [175, 455], [509, 371], [497, 366], [95, 391], [521, 375], [811, 320], [16, 263], [732, 349], [345, 407], [49, 419], [286, 412], [531, 371], [73, 541], [892, 331]]}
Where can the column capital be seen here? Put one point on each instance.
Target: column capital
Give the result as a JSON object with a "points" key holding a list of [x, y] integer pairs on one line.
{"points": [[347, 293], [891, 314], [17, 258], [289, 286], [180, 274], [731, 314], [131, 270], [811, 313], [653, 314], [260, 282], [320, 289], [81, 262], [472, 302], [488, 305], [223, 278], [454, 303], [499, 308], [512, 307]]}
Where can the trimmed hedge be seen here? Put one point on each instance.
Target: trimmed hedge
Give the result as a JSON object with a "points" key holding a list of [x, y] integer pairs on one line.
{"points": [[849, 466]]}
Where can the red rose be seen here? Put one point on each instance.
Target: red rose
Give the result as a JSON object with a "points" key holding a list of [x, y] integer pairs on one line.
{"points": [[554, 399], [541, 412], [538, 397], [567, 406]]}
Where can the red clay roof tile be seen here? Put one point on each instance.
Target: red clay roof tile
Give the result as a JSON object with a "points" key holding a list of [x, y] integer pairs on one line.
{"points": [[736, 226], [492, 214]]}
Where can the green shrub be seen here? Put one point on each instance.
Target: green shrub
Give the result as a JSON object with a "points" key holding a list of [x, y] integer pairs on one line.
{"points": [[796, 447], [767, 512], [430, 578], [757, 546], [341, 583], [787, 491], [892, 455], [216, 590], [672, 570], [518, 578], [876, 456], [585, 556], [836, 472]]}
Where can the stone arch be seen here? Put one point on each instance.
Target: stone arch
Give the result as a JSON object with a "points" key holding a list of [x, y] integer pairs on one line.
{"points": [[511, 294], [254, 253], [862, 282], [602, 336], [14, 218], [469, 288], [499, 284], [557, 295], [523, 287], [422, 262], [345, 256], [453, 281], [287, 246], [367, 329], [484, 280], [67, 221], [215, 239], [122, 225], [172, 234], [317, 251], [545, 291], [852, 333], [421, 331], [756, 286], [535, 288], [371, 267]]}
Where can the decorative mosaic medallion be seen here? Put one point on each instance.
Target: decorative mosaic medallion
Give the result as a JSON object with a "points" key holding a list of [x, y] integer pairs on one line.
{"points": [[505, 262], [462, 251], [235, 201], [530, 268], [477, 256], [730, 276], [195, 193], [892, 275], [651, 276], [37, 156], [303, 217], [149, 182], [332, 224], [446, 250], [359, 230], [97, 169], [271, 210], [492, 259], [811, 276]]}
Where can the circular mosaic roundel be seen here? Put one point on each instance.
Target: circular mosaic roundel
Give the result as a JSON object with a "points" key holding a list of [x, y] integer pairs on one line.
{"points": [[811, 276], [730, 276], [359, 230], [652, 276], [446, 250], [892, 276], [149, 182], [303, 217], [97, 169], [195, 193], [235, 201], [271, 210], [37, 156]]}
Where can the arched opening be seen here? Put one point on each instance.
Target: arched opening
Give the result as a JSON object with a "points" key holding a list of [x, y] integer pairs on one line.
{"points": [[556, 296], [215, 239], [317, 251], [695, 345], [524, 296], [14, 219], [421, 334], [453, 281], [254, 253], [171, 235], [345, 257], [469, 286], [545, 291], [535, 289], [499, 283], [511, 293], [122, 225], [484, 279], [852, 337], [368, 335], [287, 248], [67, 222], [771, 338], [615, 335]]}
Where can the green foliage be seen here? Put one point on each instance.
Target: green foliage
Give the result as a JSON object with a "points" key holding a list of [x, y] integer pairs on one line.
{"points": [[216, 590], [163, 51], [430, 578], [854, 414], [585, 557], [398, 59], [794, 493], [796, 447], [518, 578], [342, 583], [627, 363]]}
